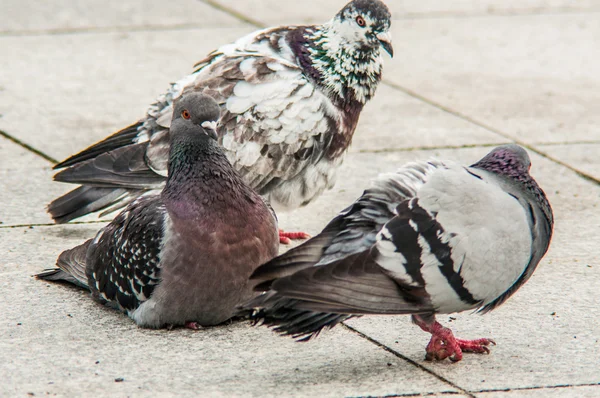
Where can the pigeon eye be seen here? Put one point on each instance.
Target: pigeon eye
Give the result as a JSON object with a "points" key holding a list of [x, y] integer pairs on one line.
{"points": [[361, 21], [185, 114]]}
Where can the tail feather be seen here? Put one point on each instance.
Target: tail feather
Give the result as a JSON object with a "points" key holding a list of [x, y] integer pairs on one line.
{"points": [[71, 267], [84, 200], [284, 316], [117, 140]]}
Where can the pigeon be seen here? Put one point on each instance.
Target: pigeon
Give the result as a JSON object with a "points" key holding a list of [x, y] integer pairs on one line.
{"points": [[181, 256], [432, 238], [290, 99]]}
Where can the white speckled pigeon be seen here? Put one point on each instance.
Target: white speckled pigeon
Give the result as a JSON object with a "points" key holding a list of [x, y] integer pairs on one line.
{"points": [[290, 100], [183, 255], [434, 237]]}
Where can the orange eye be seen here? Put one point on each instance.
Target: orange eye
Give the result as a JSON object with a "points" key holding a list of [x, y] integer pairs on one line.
{"points": [[186, 114], [361, 21]]}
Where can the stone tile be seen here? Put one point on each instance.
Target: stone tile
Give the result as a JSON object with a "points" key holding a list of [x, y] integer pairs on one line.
{"points": [[558, 392], [63, 93], [433, 8], [395, 120], [532, 77], [583, 157], [61, 342], [30, 16], [26, 186], [275, 12], [544, 333]]}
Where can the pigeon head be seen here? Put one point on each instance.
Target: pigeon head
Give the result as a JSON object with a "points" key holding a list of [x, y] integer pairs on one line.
{"points": [[363, 25], [344, 55], [509, 160], [199, 109]]}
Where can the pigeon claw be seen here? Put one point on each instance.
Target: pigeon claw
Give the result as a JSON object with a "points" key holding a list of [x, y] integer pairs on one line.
{"points": [[192, 325], [285, 238], [444, 345], [478, 346]]}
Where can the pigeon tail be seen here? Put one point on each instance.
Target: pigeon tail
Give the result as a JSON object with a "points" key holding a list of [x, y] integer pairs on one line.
{"points": [[84, 200], [71, 267], [120, 138], [286, 319]]}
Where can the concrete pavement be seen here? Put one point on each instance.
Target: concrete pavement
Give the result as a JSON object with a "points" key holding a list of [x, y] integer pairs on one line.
{"points": [[467, 75]]}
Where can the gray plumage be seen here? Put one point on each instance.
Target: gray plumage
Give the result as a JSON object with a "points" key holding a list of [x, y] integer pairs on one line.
{"points": [[434, 237], [290, 98], [184, 254]]}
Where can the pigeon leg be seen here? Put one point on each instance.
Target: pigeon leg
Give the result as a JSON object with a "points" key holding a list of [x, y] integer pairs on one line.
{"points": [[192, 325], [444, 345], [285, 238]]}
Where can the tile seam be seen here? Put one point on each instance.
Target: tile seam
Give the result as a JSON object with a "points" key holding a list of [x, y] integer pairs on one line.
{"points": [[410, 361]]}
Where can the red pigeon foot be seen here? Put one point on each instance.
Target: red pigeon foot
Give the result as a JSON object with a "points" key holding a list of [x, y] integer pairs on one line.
{"points": [[444, 345], [285, 238]]}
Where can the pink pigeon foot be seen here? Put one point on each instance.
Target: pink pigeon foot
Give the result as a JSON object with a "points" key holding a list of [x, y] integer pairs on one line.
{"points": [[444, 345], [192, 325], [285, 238]]}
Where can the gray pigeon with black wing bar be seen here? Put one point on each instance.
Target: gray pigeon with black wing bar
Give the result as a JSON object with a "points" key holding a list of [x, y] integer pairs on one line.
{"points": [[432, 238], [181, 256]]}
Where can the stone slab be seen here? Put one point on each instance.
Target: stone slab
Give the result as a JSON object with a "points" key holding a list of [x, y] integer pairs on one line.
{"points": [[26, 186], [55, 340], [64, 94], [34, 17], [531, 77]]}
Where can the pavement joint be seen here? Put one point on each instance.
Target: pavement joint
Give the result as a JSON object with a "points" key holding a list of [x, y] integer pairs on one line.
{"points": [[28, 147], [419, 394], [590, 142], [496, 13], [410, 361], [101, 29], [51, 224], [536, 387], [428, 148], [234, 13]]}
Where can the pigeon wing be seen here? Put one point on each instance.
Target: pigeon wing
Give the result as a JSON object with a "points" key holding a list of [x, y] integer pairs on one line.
{"points": [[123, 259]]}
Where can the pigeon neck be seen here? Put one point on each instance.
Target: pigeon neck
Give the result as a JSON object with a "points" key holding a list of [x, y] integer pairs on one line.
{"points": [[518, 174], [191, 152], [344, 71], [200, 176]]}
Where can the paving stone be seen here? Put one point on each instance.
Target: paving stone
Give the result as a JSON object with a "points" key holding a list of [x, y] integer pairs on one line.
{"points": [[62, 342], [88, 86], [557, 392], [30, 16], [394, 120], [26, 185], [583, 157], [276, 12], [532, 77]]}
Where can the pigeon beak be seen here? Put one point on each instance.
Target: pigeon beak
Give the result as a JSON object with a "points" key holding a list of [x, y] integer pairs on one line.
{"points": [[385, 39], [210, 124]]}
